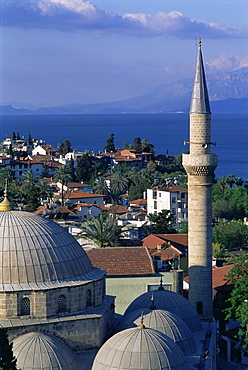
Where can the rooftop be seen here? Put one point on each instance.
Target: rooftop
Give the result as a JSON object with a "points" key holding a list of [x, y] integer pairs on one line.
{"points": [[122, 260]]}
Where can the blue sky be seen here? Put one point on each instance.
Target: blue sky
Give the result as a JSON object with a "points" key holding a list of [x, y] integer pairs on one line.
{"points": [[73, 51]]}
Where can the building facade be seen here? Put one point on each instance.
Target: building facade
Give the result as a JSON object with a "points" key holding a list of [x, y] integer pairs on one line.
{"points": [[171, 198]]}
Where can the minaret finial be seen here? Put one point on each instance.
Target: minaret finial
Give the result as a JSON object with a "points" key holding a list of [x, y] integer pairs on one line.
{"points": [[141, 325], [199, 42], [5, 205]]}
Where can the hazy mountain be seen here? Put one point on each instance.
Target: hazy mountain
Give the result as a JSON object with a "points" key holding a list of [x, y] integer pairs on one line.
{"points": [[228, 92], [8, 109]]}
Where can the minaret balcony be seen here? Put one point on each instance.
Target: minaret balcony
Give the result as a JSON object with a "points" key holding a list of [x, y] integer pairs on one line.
{"points": [[200, 165], [200, 160]]}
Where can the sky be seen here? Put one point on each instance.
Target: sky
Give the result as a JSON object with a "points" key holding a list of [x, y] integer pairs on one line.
{"points": [[56, 52]]}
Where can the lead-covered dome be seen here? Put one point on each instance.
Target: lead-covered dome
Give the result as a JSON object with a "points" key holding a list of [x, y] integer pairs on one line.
{"points": [[36, 253], [42, 352], [163, 321], [170, 301], [137, 349]]}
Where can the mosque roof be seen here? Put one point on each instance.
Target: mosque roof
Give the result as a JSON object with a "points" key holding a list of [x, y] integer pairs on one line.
{"points": [[38, 351], [139, 348], [163, 321], [36, 253], [170, 301]]}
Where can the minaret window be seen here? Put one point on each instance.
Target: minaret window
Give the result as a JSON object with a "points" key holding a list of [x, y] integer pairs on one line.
{"points": [[25, 306]]}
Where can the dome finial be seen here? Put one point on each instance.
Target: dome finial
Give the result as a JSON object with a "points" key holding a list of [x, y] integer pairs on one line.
{"points": [[152, 306], [141, 325], [5, 205], [161, 284]]}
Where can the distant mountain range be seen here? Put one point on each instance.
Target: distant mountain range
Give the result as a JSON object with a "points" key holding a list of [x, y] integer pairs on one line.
{"points": [[228, 93]]}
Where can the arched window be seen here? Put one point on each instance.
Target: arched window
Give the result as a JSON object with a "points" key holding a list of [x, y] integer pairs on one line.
{"points": [[25, 306], [61, 303], [88, 298]]}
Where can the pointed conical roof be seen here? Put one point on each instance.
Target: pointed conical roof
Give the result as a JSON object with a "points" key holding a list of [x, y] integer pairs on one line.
{"points": [[199, 101]]}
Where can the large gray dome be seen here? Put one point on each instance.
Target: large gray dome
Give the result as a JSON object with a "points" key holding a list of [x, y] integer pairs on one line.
{"points": [[138, 349], [170, 301], [36, 253], [37, 351], [163, 321]]}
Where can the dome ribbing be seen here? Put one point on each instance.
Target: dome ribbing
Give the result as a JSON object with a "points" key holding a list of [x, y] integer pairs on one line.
{"points": [[139, 349], [170, 301], [163, 321], [36, 253], [38, 351]]}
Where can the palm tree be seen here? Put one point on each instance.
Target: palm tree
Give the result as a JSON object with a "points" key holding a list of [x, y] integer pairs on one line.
{"points": [[100, 186], [239, 181], [230, 179], [103, 231], [6, 174], [29, 178], [62, 175], [119, 183], [44, 190]]}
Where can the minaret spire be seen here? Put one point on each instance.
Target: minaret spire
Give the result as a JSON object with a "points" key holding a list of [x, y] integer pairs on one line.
{"points": [[199, 100], [200, 165]]}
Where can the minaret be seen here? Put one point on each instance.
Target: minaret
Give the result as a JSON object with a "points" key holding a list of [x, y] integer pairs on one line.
{"points": [[200, 165]]}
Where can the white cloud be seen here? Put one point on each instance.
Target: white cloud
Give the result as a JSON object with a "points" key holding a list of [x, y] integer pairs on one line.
{"points": [[227, 63], [68, 15]]}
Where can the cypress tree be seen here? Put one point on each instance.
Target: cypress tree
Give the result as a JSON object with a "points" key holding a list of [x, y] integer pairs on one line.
{"points": [[7, 359]]}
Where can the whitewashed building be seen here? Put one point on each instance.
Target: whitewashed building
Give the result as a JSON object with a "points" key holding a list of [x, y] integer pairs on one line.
{"points": [[172, 198]]}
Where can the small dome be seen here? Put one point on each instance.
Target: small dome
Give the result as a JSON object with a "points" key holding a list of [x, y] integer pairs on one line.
{"points": [[170, 301], [36, 253], [163, 321], [138, 349], [37, 351]]}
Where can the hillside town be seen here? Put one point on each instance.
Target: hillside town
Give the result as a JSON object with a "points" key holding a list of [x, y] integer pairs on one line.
{"points": [[123, 259]]}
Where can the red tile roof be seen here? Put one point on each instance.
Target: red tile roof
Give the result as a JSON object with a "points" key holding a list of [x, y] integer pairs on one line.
{"points": [[114, 209], [42, 158], [80, 194], [167, 253], [60, 209], [219, 276], [76, 185], [171, 189], [122, 260], [219, 280], [178, 240], [138, 202]]}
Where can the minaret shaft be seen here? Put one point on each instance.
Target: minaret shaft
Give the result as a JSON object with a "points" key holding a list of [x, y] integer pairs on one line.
{"points": [[200, 165]]}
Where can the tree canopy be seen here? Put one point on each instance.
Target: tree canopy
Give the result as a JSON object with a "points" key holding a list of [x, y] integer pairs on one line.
{"points": [[102, 230], [64, 147], [7, 359], [237, 304], [85, 168], [162, 223], [233, 234], [110, 144]]}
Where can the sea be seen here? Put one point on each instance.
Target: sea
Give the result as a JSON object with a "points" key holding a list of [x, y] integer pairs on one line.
{"points": [[167, 132]]}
